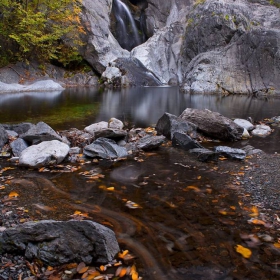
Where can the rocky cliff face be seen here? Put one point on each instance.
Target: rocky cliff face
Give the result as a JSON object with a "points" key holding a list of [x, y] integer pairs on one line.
{"points": [[206, 46]]}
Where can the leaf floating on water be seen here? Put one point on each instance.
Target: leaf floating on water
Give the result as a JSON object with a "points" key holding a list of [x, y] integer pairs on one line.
{"points": [[13, 194], [245, 252], [196, 189], [132, 205]]}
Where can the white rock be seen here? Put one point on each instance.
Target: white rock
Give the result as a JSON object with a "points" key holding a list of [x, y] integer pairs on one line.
{"points": [[245, 124], [261, 130], [115, 123], [46, 85], [45, 153], [245, 134], [96, 127], [110, 74]]}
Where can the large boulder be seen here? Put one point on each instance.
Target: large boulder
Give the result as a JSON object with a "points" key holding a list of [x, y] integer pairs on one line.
{"points": [[3, 136], [40, 132], [133, 73], [213, 124], [105, 148], [100, 45], [20, 128], [56, 243], [46, 153], [168, 124], [232, 48]]}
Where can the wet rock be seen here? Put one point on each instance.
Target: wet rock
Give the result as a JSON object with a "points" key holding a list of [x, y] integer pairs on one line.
{"points": [[231, 152], [74, 150], [204, 155], [183, 141], [45, 153], [112, 75], [110, 133], [150, 142], [261, 130], [250, 150], [18, 146], [3, 136], [245, 124], [168, 124], [105, 148], [56, 243], [213, 124], [39, 133], [96, 127], [115, 124], [20, 128]]}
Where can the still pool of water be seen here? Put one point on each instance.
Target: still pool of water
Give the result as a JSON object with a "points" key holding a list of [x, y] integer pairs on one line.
{"points": [[190, 216]]}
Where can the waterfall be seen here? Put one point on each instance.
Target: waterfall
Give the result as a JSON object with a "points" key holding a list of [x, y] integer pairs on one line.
{"points": [[127, 33]]}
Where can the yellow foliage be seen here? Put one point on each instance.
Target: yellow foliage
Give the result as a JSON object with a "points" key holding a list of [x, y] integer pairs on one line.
{"points": [[245, 252]]}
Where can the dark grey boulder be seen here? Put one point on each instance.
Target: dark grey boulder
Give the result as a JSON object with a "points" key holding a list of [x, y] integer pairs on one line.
{"points": [[150, 142], [204, 155], [184, 141], [110, 133], [39, 133], [18, 146], [105, 148], [134, 73], [3, 136], [231, 152], [19, 128], [56, 243], [168, 124], [213, 124]]}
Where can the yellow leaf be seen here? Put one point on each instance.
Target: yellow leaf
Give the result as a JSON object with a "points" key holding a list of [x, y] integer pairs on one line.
{"points": [[77, 213], [223, 212], [102, 268], [13, 194], [198, 177], [277, 245], [245, 252], [110, 189], [2, 187]]}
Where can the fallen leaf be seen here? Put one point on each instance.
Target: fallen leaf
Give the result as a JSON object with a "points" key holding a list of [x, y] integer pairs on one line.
{"points": [[245, 252], [13, 194], [255, 211], [196, 189], [122, 255], [110, 189], [83, 270], [277, 245]]}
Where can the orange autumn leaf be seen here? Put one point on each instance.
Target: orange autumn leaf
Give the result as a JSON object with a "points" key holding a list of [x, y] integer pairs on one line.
{"points": [[121, 271], [245, 252], [277, 245], [134, 275], [255, 211], [13, 194], [83, 270], [196, 189], [102, 268], [257, 222], [110, 189], [122, 255]]}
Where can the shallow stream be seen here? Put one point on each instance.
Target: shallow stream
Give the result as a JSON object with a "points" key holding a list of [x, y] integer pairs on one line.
{"points": [[185, 218]]}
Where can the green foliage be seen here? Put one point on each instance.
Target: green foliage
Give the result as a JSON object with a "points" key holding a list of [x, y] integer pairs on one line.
{"points": [[274, 3], [227, 17], [199, 2], [40, 28]]}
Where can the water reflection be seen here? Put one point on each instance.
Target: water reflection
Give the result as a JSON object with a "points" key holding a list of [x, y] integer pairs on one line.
{"points": [[137, 106]]}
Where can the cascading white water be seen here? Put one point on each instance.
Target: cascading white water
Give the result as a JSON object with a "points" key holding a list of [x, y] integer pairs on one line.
{"points": [[127, 33]]}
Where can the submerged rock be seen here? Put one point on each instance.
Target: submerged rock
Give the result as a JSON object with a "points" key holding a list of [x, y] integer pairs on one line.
{"points": [[56, 242], [213, 124], [105, 148], [231, 152], [204, 155], [46, 153]]}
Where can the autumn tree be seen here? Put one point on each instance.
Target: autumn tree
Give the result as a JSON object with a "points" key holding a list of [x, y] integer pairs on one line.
{"points": [[45, 30]]}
